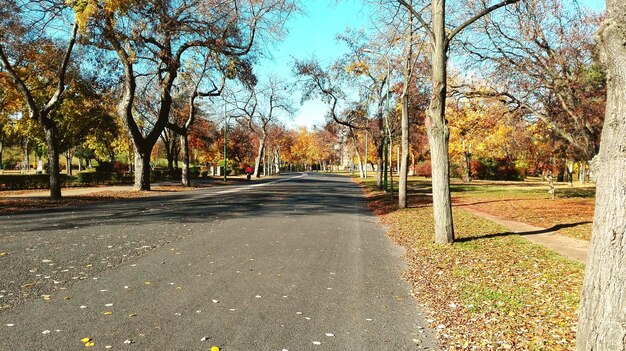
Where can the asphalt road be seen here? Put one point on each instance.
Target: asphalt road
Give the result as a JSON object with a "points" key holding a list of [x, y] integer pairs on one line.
{"points": [[294, 263]]}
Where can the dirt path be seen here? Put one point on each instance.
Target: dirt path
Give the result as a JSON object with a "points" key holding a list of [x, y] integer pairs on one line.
{"points": [[574, 249]]}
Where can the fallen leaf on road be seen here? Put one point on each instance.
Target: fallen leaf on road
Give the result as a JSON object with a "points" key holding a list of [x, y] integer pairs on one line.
{"points": [[3, 254], [107, 313], [128, 341], [316, 343], [330, 334], [215, 348], [45, 297], [147, 283], [132, 315]]}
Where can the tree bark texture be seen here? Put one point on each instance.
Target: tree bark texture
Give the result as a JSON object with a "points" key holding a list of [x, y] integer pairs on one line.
{"points": [[184, 143], [602, 322], [53, 162], [142, 168], [259, 158], [379, 165], [437, 130], [404, 159]]}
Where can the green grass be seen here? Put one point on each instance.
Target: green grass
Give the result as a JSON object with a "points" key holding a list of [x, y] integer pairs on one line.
{"points": [[491, 289]]}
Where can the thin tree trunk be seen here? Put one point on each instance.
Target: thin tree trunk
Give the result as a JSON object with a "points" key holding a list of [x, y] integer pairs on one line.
{"points": [[53, 163], [379, 166], [602, 317], [68, 163], [404, 140], [438, 132], [467, 166], [259, 158], [358, 154], [1, 151], [185, 179]]}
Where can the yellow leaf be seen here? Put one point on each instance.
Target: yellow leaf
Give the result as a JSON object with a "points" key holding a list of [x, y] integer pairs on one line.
{"points": [[89, 265], [3, 254], [133, 315], [89, 344], [147, 283], [107, 313], [45, 297], [215, 348], [84, 340]]}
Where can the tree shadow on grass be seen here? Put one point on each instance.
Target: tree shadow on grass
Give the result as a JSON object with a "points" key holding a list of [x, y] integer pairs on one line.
{"points": [[554, 228]]}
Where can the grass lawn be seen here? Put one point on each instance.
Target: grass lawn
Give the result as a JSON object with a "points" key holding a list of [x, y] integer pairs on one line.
{"points": [[529, 202], [491, 290]]}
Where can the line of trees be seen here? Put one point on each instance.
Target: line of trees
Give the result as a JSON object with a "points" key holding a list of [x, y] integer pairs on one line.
{"points": [[528, 88]]}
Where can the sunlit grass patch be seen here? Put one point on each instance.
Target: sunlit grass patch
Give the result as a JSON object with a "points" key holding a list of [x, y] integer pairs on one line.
{"points": [[491, 289]]}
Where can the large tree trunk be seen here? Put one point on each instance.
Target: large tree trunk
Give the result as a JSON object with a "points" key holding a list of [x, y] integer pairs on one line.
{"points": [[437, 131], [53, 163], [603, 307], [185, 179], [142, 168]]}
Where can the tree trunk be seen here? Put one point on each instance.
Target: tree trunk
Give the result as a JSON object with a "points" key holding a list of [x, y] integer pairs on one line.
{"points": [[142, 169], [53, 163], [259, 158], [1, 151], [185, 179], [581, 172], [68, 162], [404, 159], [379, 165], [437, 130], [602, 321], [467, 169], [277, 161], [167, 141], [175, 151]]}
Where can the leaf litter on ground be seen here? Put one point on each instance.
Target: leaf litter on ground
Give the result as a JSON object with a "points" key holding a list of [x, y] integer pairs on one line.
{"points": [[489, 290]]}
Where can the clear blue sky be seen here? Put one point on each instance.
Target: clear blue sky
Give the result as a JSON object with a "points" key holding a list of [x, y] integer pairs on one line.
{"points": [[313, 32]]}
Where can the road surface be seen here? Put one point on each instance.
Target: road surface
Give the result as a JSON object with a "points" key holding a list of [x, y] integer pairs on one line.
{"points": [[291, 263]]}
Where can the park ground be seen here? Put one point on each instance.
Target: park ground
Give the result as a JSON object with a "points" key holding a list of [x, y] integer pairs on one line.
{"points": [[492, 289]]}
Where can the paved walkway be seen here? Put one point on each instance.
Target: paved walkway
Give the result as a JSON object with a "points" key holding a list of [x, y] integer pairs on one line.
{"points": [[572, 248]]}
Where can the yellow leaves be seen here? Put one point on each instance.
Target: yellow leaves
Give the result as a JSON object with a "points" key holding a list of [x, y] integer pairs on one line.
{"points": [[231, 70], [147, 283], [88, 342], [2, 254], [357, 68], [107, 313], [132, 315], [46, 297], [215, 348]]}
